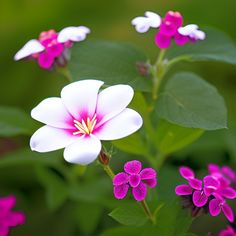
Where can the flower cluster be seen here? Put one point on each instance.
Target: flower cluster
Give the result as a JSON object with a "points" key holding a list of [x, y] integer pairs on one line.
{"points": [[228, 232], [210, 192], [52, 47], [136, 178], [82, 117], [9, 218], [170, 27]]}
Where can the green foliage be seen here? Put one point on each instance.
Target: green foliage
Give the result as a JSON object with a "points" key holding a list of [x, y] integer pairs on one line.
{"points": [[171, 137], [216, 47], [14, 121], [131, 215], [189, 101], [113, 63], [56, 187]]}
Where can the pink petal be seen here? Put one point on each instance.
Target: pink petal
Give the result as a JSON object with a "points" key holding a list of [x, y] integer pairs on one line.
{"points": [[133, 167], [228, 212], [195, 184], [4, 229], [16, 218], [199, 199], [45, 60], [148, 173], [168, 29], [214, 207], [183, 189], [120, 179], [162, 41], [181, 39], [211, 184], [134, 180], [213, 168], [55, 50], [228, 193], [140, 192], [151, 183], [6, 203], [174, 17], [186, 172], [120, 191], [226, 170]]}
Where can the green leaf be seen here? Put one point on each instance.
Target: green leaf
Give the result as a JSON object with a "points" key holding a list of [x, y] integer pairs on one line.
{"points": [[131, 215], [171, 137], [113, 63], [14, 121], [216, 47], [56, 187], [189, 101], [122, 230]]}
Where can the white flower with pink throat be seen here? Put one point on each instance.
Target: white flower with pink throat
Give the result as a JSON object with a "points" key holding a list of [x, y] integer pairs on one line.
{"points": [[83, 116]]}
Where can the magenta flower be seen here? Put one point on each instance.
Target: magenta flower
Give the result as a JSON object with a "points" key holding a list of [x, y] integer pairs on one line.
{"points": [[170, 28], [83, 116], [9, 218], [228, 232], [51, 47], [136, 178]]}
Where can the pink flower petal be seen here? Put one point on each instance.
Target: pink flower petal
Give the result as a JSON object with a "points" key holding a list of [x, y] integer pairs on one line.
{"points": [[199, 199], [80, 98], [162, 41], [134, 180], [213, 168], [174, 17], [4, 229], [6, 203], [16, 218], [195, 184], [168, 29], [181, 39], [120, 191], [140, 192], [120, 179], [151, 183], [228, 212], [211, 184], [45, 60], [55, 49], [228, 193], [183, 189], [226, 170], [133, 167], [186, 172], [148, 173], [214, 207]]}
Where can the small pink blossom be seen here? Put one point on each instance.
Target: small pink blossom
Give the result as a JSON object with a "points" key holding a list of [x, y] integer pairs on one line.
{"points": [[136, 178], [51, 47], [9, 218], [228, 232], [170, 28], [83, 116]]}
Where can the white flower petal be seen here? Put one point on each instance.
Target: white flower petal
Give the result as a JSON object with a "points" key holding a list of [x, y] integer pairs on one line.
{"points": [[80, 98], [48, 139], [188, 29], [51, 111], [200, 35], [155, 19], [113, 100], [83, 151], [73, 33], [122, 125], [31, 47], [141, 24]]}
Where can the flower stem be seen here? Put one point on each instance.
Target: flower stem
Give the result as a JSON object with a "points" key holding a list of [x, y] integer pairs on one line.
{"points": [[64, 71], [109, 171], [147, 211]]}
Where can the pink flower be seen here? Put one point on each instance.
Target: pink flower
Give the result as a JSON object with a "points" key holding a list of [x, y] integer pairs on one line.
{"points": [[171, 28], [81, 117], [136, 178], [228, 232], [9, 218], [52, 47]]}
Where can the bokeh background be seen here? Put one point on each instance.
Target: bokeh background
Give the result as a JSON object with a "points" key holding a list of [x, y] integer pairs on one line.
{"points": [[24, 84]]}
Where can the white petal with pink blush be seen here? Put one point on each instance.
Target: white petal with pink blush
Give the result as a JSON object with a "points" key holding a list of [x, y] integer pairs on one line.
{"points": [[82, 117], [192, 31], [31, 47]]}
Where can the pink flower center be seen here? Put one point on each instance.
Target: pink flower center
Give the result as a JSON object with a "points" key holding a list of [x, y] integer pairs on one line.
{"points": [[85, 127]]}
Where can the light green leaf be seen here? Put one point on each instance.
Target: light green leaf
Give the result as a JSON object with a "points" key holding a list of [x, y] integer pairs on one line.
{"points": [[56, 187], [14, 121], [171, 137], [189, 101], [131, 215], [216, 47], [113, 63]]}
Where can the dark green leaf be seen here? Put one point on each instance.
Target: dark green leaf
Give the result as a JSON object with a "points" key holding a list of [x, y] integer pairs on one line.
{"points": [[131, 215], [113, 63], [122, 230], [14, 121], [171, 137], [216, 47], [189, 101]]}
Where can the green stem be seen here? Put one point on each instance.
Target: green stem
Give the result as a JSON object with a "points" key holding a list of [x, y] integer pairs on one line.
{"points": [[64, 71], [109, 171], [147, 211], [160, 159]]}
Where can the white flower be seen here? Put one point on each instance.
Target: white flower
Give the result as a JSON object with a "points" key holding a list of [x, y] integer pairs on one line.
{"points": [[82, 117], [143, 23], [73, 33], [192, 31]]}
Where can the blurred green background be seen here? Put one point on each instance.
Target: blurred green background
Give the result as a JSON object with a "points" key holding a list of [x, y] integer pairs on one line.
{"points": [[24, 84]]}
